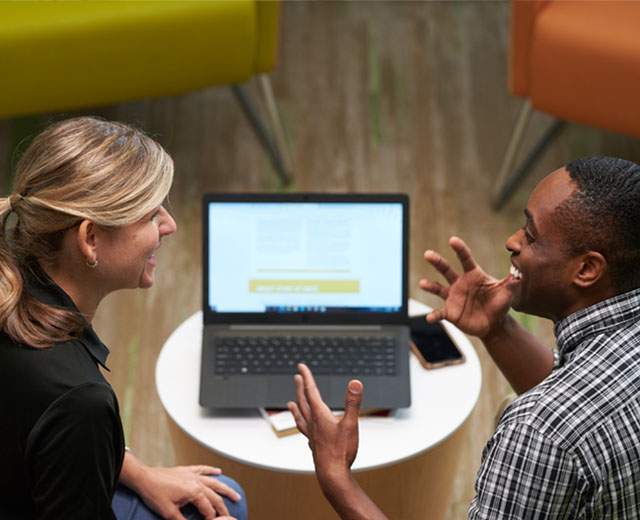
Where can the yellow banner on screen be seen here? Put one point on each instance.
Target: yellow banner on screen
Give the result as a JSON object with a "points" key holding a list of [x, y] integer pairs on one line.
{"points": [[304, 286]]}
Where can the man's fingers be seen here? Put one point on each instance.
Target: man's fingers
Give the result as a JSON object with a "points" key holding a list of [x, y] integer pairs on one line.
{"points": [[463, 253], [352, 400], [311, 392], [300, 422], [434, 288], [442, 266], [303, 405], [436, 315]]}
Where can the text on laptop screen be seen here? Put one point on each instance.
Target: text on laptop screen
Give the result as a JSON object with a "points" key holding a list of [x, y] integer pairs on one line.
{"points": [[305, 257]]}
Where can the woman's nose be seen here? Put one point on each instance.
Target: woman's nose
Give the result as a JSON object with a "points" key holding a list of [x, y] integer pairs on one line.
{"points": [[168, 224]]}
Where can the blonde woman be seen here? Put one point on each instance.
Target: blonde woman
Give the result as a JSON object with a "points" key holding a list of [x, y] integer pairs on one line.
{"points": [[87, 219]]}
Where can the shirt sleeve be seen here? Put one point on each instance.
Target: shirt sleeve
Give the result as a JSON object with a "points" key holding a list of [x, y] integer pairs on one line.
{"points": [[74, 455], [524, 476]]}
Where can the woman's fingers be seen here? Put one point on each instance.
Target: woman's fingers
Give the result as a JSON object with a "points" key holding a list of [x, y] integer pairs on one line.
{"points": [[221, 488], [216, 501], [201, 469]]}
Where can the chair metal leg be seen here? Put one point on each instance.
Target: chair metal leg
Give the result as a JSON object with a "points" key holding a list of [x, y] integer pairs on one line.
{"points": [[273, 115], [512, 149], [263, 134], [509, 178]]}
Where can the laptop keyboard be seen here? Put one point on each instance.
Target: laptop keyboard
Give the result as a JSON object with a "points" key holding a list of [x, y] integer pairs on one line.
{"points": [[340, 354]]}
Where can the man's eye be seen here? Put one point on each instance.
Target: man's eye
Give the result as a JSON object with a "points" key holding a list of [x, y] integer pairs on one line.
{"points": [[527, 235]]}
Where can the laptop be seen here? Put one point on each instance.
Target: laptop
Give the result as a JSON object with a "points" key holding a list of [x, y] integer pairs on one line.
{"points": [[314, 278]]}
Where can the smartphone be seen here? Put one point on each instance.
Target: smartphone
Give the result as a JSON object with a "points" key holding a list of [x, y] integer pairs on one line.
{"points": [[431, 344]]}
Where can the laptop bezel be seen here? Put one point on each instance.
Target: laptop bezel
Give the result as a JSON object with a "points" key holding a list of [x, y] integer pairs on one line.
{"points": [[306, 318]]}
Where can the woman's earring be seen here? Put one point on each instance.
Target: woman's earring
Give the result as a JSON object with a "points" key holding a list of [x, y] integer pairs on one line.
{"points": [[93, 264]]}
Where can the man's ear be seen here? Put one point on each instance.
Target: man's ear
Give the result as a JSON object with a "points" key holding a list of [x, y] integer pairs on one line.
{"points": [[86, 239], [592, 267]]}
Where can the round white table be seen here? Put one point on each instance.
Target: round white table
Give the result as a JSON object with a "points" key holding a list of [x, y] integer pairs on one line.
{"points": [[418, 445]]}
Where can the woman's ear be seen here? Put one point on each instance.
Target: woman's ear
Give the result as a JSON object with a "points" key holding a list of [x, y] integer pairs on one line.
{"points": [[592, 267], [87, 242]]}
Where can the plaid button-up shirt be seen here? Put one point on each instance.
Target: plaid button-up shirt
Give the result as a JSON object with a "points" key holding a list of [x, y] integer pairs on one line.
{"points": [[570, 447]]}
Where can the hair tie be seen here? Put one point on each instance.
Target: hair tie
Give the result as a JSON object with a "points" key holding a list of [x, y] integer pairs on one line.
{"points": [[16, 198]]}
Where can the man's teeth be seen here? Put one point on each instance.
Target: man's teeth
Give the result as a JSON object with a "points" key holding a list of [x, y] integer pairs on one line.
{"points": [[515, 273]]}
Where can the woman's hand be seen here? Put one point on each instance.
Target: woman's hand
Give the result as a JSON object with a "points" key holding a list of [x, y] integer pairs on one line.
{"points": [[474, 301], [166, 490]]}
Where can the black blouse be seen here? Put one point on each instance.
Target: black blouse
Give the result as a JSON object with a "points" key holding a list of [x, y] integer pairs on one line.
{"points": [[61, 439]]}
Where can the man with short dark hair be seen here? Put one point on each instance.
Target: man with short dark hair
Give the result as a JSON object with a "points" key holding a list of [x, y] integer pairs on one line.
{"points": [[569, 446]]}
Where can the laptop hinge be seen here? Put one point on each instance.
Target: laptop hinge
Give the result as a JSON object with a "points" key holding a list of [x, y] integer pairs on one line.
{"points": [[303, 328]]}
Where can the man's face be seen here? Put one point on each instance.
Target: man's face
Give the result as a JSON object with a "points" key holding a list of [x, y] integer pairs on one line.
{"points": [[541, 275]]}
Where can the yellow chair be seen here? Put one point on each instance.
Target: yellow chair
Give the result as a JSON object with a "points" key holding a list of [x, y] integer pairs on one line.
{"points": [[577, 61], [67, 55]]}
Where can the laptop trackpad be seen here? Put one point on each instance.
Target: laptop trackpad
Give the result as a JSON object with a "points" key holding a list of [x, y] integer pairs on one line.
{"points": [[282, 389]]}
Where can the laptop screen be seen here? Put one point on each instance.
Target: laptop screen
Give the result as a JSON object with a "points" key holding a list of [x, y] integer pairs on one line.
{"points": [[305, 255]]}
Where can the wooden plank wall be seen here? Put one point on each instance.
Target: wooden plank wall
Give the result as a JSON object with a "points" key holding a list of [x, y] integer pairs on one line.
{"points": [[375, 96]]}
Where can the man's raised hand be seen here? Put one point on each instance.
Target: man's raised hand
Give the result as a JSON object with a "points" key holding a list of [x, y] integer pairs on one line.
{"points": [[473, 301]]}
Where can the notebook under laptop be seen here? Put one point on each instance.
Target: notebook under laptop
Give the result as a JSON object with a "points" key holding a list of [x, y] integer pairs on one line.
{"points": [[314, 278]]}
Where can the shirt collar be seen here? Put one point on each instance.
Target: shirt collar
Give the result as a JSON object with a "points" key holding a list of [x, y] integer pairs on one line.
{"points": [[596, 319], [45, 290]]}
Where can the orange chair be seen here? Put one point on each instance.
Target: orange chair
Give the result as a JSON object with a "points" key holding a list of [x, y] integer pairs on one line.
{"points": [[576, 60]]}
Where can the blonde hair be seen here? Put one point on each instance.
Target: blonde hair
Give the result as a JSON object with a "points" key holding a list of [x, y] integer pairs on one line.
{"points": [[76, 169]]}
